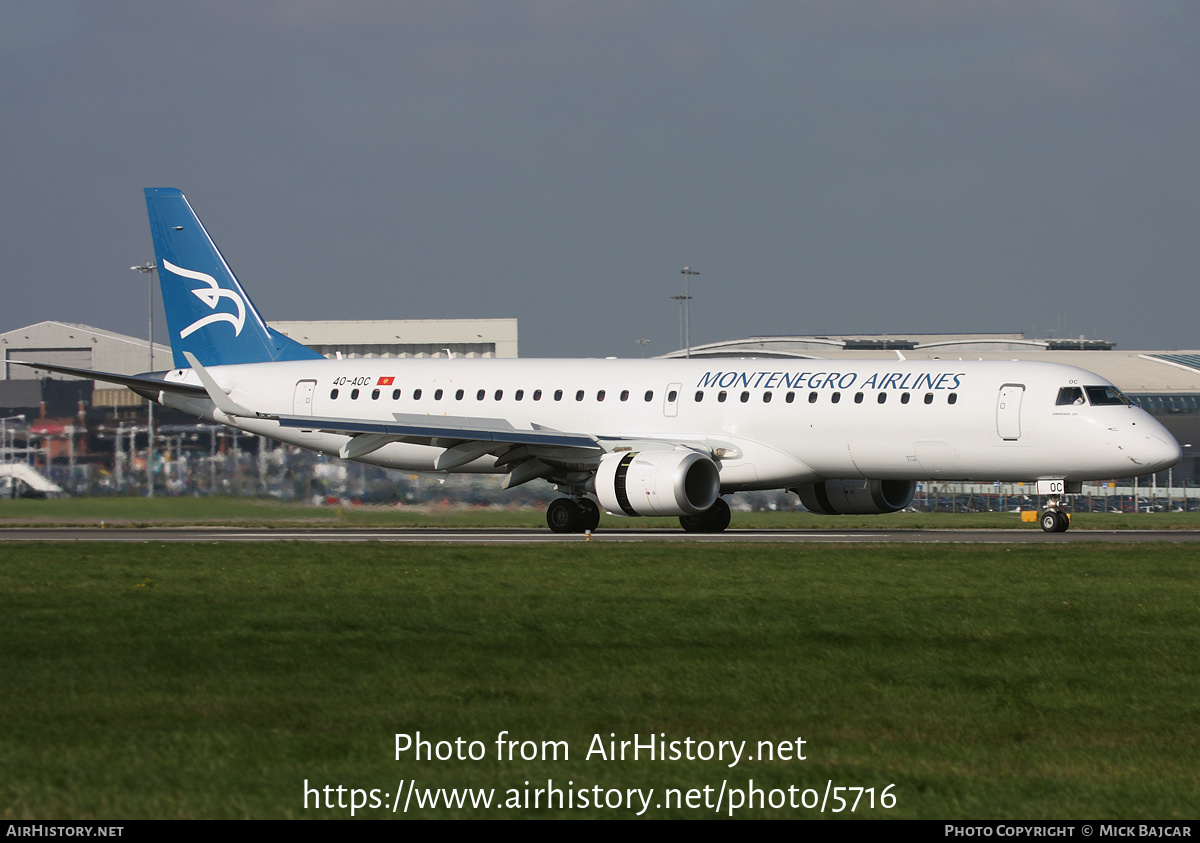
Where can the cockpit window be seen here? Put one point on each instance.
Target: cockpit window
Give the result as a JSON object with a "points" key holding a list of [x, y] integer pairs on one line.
{"points": [[1102, 395], [1069, 395]]}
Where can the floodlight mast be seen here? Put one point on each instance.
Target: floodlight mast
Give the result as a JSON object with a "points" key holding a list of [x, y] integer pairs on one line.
{"points": [[147, 268], [687, 272]]}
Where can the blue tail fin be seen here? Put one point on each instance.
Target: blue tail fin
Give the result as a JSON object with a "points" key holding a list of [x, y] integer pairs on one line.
{"points": [[208, 312]]}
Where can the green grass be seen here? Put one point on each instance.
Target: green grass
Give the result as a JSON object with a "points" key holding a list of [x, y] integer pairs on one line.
{"points": [[983, 682], [249, 512]]}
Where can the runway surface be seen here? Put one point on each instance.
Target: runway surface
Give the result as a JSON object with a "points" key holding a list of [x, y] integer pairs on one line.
{"points": [[536, 536]]}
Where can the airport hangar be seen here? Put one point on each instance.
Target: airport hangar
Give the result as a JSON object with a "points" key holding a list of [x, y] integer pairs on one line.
{"points": [[1166, 383]]}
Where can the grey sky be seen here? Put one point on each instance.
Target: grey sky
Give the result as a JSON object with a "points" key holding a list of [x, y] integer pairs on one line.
{"points": [[827, 166]]}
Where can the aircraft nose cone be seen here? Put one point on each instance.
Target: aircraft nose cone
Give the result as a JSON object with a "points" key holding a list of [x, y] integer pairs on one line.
{"points": [[1160, 452], [1170, 452]]}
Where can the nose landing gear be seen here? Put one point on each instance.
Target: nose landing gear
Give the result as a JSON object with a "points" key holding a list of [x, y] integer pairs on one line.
{"points": [[1054, 518]]}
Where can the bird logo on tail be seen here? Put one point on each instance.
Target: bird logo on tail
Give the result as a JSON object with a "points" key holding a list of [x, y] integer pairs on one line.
{"points": [[210, 295]]}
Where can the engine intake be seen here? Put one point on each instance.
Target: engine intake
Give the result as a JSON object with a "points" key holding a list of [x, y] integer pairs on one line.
{"points": [[679, 482], [856, 497]]}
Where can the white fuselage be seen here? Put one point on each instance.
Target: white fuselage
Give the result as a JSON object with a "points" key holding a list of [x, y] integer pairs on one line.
{"points": [[769, 423]]}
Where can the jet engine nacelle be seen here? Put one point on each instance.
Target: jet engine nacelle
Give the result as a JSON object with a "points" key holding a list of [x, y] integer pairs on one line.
{"points": [[856, 497], [678, 482]]}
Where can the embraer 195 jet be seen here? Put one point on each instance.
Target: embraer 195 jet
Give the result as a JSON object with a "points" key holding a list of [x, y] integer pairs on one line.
{"points": [[640, 437]]}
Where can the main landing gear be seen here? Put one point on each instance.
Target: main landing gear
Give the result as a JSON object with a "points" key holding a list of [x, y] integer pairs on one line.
{"points": [[568, 515], [1054, 518], [712, 520], [579, 515]]}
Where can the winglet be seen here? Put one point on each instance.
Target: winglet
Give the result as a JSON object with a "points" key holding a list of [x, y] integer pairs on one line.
{"points": [[219, 397]]}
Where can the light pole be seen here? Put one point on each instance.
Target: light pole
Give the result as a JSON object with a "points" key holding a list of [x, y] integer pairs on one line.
{"points": [[7, 451], [681, 300], [643, 342], [147, 268], [12, 481], [687, 272]]}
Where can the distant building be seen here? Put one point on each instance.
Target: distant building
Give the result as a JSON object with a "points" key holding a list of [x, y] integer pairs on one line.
{"points": [[69, 344], [407, 337]]}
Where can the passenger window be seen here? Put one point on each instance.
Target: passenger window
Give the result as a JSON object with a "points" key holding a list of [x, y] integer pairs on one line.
{"points": [[858, 398], [579, 395], [836, 397], [1069, 395], [721, 396], [499, 394], [904, 398], [624, 394], [375, 395], [395, 395], [672, 397], [600, 395], [928, 397], [953, 399], [767, 397], [354, 395], [333, 393], [745, 397], [812, 398], [458, 396], [519, 394], [558, 395], [699, 396], [791, 396], [437, 395], [882, 397], [649, 395], [416, 395], [479, 396], [537, 395]]}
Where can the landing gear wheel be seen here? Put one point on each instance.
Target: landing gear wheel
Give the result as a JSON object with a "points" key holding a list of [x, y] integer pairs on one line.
{"points": [[563, 516], [712, 520], [717, 516], [589, 514], [1055, 521]]}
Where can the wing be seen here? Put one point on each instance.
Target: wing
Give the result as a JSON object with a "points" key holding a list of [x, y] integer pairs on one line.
{"points": [[528, 453], [429, 430]]}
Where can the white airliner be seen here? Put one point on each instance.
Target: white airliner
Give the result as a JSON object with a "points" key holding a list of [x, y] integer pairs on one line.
{"points": [[641, 437]]}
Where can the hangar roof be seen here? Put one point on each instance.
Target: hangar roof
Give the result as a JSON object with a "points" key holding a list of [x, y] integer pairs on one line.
{"points": [[1133, 371]]}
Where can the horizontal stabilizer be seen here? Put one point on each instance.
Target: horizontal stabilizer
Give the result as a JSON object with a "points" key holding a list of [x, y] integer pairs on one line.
{"points": [[147, 385]]}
